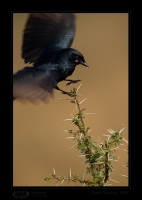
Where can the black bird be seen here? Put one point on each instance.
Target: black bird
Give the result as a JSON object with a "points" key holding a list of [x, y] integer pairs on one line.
{"points": [[47, 39]]}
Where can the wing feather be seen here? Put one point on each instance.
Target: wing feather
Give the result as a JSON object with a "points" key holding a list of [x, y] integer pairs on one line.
{"points": [[46, 31]]}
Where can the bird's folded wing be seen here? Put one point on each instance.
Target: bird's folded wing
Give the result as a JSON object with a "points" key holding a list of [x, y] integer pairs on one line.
{"points": [[47, 32], [32, 84]]}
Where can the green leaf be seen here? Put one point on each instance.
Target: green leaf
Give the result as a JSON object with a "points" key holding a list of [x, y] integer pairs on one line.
{"points": [[72, 101]]}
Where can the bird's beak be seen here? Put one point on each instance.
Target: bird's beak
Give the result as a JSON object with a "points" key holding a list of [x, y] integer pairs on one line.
{"points": [[83, 63]]}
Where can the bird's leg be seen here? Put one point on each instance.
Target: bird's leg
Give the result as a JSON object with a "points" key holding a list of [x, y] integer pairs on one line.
{"points": [[64, 92], [71, 81]]}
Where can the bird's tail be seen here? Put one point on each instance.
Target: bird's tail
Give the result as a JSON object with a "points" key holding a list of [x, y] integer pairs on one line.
{"points": [[32, 84]]}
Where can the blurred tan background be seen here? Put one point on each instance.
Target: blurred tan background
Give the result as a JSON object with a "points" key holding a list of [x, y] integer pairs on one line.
{"points": [[39, 143]]}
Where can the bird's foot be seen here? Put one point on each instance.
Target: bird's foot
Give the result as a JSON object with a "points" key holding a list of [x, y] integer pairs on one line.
{"points": [[71, 94], [72, 81]]}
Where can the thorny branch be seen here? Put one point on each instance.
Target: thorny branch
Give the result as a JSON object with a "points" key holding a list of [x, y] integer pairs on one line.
{"points": [[97, 156]]}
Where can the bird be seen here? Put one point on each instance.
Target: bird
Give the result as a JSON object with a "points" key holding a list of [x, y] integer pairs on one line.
{"points": [[47, 40]]}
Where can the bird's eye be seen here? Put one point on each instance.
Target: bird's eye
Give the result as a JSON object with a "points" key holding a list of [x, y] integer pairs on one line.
{"points": [[76, 58]]}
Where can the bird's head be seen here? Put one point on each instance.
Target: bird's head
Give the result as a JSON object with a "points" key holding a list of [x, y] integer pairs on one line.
{"points": [[76, 58]]}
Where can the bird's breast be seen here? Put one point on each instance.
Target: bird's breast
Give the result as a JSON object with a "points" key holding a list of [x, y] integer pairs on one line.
{"points": [[65, 73]]}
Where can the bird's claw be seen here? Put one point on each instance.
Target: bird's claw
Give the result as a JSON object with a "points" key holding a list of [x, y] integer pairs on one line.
{"points": [[71, 94], [73, 81]]}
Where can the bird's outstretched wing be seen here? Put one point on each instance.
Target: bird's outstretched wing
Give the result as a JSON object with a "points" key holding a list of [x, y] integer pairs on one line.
{"points": [[33, 84], [45, 32]]}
